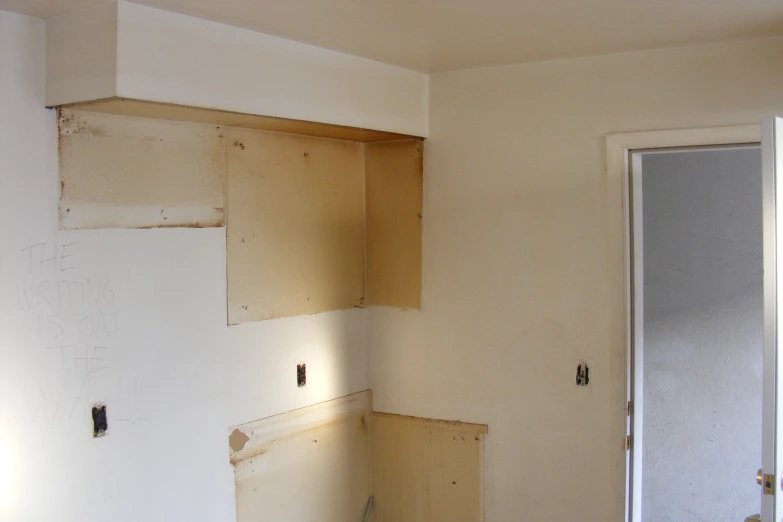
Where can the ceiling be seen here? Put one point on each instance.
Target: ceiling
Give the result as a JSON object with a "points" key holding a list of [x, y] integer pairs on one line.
{"points": [[443, 35]]}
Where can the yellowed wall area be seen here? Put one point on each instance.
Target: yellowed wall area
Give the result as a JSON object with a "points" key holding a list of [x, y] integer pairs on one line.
{"points": [[394, 177], [427, 470], [296, 225], [311, 464], [316, 224], [322, 463], [124, 172]]}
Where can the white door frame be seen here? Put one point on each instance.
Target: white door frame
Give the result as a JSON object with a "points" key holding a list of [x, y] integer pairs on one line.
{"points": [[621, 154]]}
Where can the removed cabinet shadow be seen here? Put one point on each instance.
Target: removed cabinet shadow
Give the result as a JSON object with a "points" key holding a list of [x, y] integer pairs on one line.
{"points": [[125, 172], [317, 224], [311, 464], [314, 223], [394, 190], [322, 463], [295, 242]]}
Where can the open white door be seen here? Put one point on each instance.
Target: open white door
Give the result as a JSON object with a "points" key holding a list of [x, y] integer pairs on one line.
{"points": [[772, 444]]}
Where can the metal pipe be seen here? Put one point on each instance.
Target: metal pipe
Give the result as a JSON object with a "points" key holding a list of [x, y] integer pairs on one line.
{"points": [[368, 509]]}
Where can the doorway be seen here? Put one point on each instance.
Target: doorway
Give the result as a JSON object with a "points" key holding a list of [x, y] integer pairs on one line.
{"points": [[697, 258]]}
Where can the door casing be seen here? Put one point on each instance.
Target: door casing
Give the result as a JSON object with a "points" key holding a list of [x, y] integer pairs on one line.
{"points": [[623, 164]]}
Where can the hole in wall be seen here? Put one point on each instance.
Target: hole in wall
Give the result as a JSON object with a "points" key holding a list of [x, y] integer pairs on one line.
{"points": [[237, 440], [301, 375]]}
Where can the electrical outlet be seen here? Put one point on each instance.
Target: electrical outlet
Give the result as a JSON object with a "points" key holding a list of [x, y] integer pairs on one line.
{"points": [[100, 424]]}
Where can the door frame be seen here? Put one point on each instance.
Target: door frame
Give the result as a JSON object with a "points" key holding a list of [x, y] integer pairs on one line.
{"points": [[621, 154]]}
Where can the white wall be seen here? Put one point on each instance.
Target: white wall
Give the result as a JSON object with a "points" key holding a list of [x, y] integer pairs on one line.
{"points": [[173, 376], [703, 325], [523, 261]]}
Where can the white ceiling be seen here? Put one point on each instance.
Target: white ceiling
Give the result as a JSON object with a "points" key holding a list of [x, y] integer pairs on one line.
{"points": [[442, 35]]}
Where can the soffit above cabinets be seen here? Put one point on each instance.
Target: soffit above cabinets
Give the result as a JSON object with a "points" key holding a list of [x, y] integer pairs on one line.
{"points": [[129, 59]]}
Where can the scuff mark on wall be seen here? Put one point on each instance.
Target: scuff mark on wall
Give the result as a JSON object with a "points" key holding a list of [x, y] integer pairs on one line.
{"points": [[238, 458], [70, 122]]}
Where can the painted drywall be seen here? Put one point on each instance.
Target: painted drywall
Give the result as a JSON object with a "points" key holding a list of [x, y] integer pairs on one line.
{"points": [[136, 319], [81, 51], [523, 261], [703, 325], [172, 58]]}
